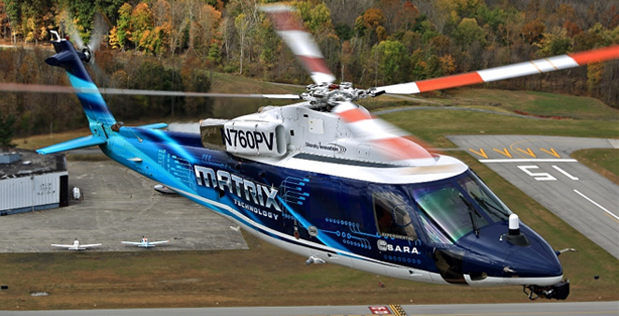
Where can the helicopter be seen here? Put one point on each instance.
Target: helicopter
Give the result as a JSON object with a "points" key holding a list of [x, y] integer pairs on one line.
{"points": [[325, 179]]}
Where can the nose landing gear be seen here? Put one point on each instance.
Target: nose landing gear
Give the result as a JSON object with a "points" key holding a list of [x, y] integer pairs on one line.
{"points": [[558, 291]]}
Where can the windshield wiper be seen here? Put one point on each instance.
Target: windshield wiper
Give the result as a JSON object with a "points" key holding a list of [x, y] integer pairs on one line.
{"points": [[470, 209], [484, 202]]}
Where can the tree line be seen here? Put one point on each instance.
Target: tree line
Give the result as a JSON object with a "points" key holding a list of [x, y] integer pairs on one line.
{"points": [[171, 44]]}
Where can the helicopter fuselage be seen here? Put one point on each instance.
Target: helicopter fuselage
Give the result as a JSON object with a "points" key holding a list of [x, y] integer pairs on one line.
{"points": [[383, 219]]}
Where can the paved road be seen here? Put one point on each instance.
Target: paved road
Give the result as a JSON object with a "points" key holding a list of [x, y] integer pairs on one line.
{"points": [[524, 309], [541, 167]]}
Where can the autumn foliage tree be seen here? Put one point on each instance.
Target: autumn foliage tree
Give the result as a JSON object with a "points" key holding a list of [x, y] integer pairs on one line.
{"points": [[7, 130]]}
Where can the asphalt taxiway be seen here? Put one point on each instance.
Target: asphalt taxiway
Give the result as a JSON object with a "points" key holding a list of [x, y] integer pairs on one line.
{"points": [[542, 168], [118, 204]]}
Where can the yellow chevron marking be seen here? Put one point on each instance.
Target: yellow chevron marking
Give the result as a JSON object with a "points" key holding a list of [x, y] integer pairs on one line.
{"points": [[551, 152], [481, 152], [528, 152], [503, 152]]}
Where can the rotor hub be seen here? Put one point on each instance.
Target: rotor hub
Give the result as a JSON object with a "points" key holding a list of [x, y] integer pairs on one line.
{"points": [[88, 54], [329, 94]]}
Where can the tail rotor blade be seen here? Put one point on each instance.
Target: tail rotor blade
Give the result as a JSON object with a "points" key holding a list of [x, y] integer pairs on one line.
{"points": [[100, 29], [291, 30], [71, 28], [506, 72]]}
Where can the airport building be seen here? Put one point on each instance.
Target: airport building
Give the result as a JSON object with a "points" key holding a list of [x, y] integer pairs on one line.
{"points": [[29, 182]]}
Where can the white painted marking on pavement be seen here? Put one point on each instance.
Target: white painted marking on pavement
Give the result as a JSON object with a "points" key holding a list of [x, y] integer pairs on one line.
{"points": [[598, 205], [538, 176], [565, 173], [525, 160]]}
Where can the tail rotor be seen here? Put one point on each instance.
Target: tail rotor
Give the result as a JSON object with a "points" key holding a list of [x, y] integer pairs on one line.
{"points": [[100, 29]]}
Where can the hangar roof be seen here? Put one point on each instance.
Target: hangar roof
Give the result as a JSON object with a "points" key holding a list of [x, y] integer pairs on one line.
{"points": [[32, 163]]}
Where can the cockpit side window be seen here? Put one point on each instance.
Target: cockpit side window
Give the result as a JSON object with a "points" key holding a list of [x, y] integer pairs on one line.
{"points": [[393, 216]]}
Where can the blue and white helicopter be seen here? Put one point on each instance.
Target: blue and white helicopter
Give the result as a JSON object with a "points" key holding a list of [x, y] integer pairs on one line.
{"points": [[325, 179]]}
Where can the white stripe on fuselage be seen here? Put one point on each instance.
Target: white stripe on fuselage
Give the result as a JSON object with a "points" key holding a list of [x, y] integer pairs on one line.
{"points": [[445, 167]]}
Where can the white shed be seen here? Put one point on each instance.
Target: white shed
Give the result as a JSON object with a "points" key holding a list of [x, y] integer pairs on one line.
{"points": [[34, 183]]}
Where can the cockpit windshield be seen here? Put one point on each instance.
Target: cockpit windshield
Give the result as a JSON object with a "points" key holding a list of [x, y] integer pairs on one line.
{"points": [[459, 206], [446, 210], [447, 207]]}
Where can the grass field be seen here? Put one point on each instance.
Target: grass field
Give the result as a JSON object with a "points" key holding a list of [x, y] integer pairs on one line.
{"points": [[265, 275], [603, 161], [537, 103]]}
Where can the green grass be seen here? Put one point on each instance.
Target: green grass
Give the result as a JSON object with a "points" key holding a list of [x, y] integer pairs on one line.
{"points": [[603, 161], [432, 125], [536, 103], [266, 275]]}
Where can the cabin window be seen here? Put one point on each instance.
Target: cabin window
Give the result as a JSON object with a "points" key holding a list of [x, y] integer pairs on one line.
{"points": [[393, 216]]}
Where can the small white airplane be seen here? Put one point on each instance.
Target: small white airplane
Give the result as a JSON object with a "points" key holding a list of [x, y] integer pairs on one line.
{"points": [[76, 246], [144, 243]]}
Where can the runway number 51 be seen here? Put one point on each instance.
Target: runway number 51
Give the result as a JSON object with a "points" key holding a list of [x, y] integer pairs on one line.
{"points": [[544, 176]]}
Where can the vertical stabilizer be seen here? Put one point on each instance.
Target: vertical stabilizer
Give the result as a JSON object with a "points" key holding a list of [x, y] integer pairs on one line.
{"points": [[71, 60]]}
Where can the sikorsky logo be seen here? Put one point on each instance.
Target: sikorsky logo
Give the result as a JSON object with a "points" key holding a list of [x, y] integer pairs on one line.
{"points": [[330, 147], [252, 192]]}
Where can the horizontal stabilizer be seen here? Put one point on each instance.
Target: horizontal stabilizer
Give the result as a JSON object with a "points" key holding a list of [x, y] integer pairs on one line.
{"points": [[154, 126], [77, 143]]}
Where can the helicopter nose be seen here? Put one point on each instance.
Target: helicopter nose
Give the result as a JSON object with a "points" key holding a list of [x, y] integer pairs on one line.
{"points": [[539, 262]]}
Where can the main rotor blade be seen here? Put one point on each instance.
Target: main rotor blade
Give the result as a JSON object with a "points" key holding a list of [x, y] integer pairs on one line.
{"points": [[506, 72], [20, 87], [395, 144], [300, 41]]}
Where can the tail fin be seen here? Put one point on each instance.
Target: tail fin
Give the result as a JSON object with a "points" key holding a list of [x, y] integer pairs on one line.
{"points": [[96, 110], [68, 58]]}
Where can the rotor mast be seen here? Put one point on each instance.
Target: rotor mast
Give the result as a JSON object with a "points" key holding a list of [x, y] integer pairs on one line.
{"points": [[330, 94]]}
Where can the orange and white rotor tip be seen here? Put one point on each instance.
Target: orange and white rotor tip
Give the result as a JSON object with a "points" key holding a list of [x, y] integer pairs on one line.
{"points": [[506, 72]]}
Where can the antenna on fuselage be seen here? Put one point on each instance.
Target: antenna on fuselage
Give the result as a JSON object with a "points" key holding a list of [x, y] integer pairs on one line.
{"points": [[514, 236]]}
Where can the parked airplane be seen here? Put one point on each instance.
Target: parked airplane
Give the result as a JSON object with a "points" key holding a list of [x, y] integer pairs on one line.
{"points": [[144, 243], [76, 246], [325, 179]]}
